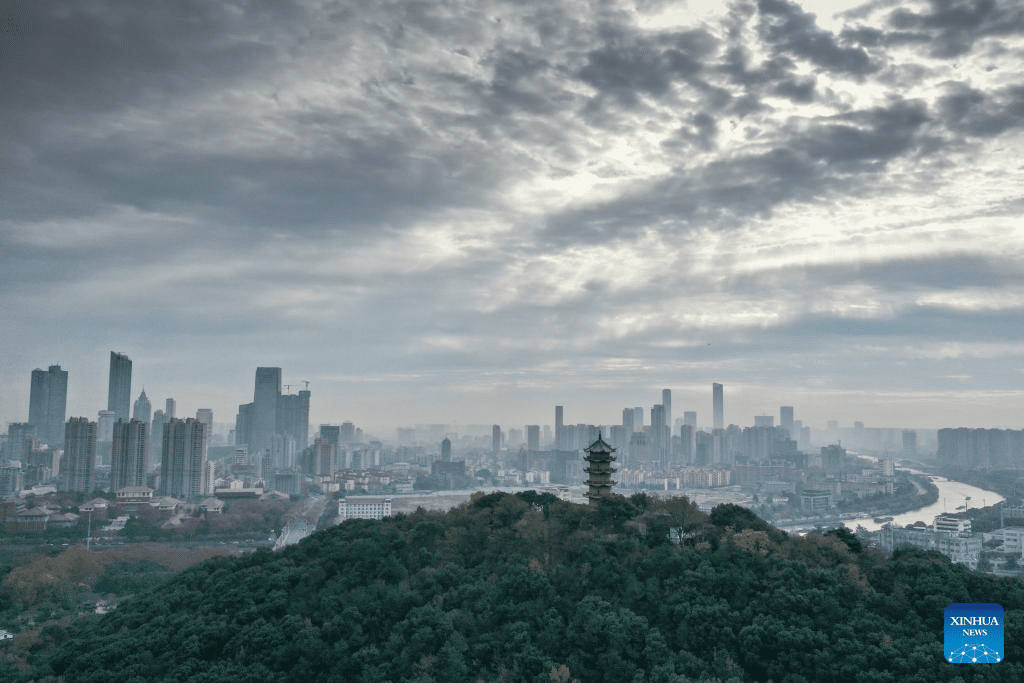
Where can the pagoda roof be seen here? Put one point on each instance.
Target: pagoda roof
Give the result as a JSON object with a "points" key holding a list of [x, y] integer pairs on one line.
{"points": [[599, 446]]}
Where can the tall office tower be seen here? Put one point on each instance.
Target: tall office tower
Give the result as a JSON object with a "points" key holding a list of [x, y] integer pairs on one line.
{"points": [[293, 418], [687, 444], [638, 419], [533, 437], [690, 419], [119, 391], [105, 420], [347, 432], [78, 468], [169, 407], [446, 450], [143, 409], [331, 434], [205, 415], [48, 405], [627, 421], [182, 469], [559, 429], [718, 401], [266, 396], [495, 438], [909, 443], [658, 445], [128, 455], [325, 456], [666, 400], [156, 439], [786, 419]]}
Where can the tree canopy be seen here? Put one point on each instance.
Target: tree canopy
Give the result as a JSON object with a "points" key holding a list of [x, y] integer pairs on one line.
{"points": [[527, 587]]}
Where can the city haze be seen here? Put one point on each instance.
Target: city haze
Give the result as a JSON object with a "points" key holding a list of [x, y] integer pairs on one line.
{"points": [[469, 214]]}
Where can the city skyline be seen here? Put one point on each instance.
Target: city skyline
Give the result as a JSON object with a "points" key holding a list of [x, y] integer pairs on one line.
{"points": [[438, 213]]}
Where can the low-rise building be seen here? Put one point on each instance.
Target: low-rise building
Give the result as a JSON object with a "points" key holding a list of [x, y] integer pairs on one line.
{"points": [[364, 507], [961, 549], [952, 525]]}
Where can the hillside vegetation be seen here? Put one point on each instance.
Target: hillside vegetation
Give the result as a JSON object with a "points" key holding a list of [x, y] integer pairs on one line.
{"points": [[528, 588]]}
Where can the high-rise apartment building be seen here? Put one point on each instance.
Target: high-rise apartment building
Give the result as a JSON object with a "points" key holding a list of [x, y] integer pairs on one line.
{"points": [[156, 439], [21, 441], [638, 419], [559, 428], [495, 438], [446, 450], [690, 419], [128, 454], [143, 409], [718, 405], [182, 466], [170, 405], [105, 420], [47, 405], [78, 468], [119, 389]]}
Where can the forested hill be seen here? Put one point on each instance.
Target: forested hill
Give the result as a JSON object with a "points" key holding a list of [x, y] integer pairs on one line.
{"points": [[528, 588]]}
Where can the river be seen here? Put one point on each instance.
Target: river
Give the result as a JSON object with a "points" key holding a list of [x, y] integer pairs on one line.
{"points": [[952, 494]]}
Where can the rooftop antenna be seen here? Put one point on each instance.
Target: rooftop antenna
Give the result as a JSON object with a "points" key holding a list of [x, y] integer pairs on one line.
{"points": [[306, 382]]}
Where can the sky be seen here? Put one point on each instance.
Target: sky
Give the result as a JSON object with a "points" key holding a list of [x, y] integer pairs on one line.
{"points": [[468, 212]]}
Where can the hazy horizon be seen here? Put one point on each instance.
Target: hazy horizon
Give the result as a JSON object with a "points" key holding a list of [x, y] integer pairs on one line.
{"points": [[471, 212]]}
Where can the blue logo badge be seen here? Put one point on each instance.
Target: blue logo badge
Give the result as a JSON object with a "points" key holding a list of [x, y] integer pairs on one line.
{"points": [[974, 633]]}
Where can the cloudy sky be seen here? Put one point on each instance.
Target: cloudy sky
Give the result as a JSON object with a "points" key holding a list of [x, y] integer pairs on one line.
{"points": [[448, 211]]}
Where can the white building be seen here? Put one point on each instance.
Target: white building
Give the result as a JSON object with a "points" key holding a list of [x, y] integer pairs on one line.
{"points": [[364, 507], [1012, 538], [952, 525]]}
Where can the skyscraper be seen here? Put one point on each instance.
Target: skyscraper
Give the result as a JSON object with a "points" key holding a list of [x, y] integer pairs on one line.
{"points": [[182, 467], [105, 420], [156, 439], [495, 438], [47, 405], [638, 419], [128, 454], [169, 407], [78, 468], [143, 409], [666, 401], [446, 450], [119, 391], [205, 415], [718, 400], [559, 428], [786, 419], [533, 437], [690, 419], [266, 396], [627, 421]]}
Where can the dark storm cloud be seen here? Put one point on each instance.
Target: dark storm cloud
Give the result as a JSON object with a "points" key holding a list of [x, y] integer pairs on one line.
{"points": [[943, 272], [950, 27], [810, 158], [628, 64], [789, 29], [57, 57], [972, 112]]}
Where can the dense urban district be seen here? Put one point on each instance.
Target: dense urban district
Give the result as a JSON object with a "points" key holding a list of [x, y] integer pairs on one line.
{"points": [[143, 546]]}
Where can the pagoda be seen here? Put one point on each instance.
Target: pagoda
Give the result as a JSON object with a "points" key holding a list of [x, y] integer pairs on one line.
{"points": [[599, 458]]}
